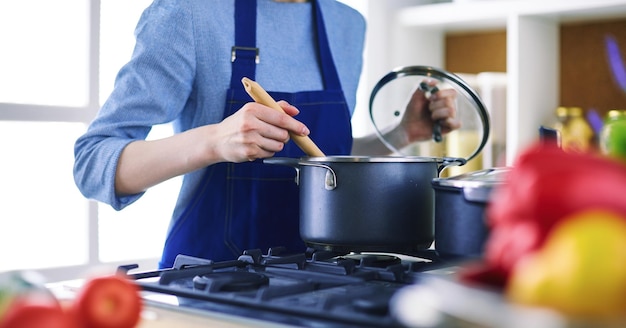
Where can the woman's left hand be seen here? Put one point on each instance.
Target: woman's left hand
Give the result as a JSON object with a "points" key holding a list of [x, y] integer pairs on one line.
{"points": [[424, 109]]}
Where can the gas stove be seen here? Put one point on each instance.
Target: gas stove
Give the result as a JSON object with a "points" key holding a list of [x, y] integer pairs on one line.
{"points": [[310, 289]]}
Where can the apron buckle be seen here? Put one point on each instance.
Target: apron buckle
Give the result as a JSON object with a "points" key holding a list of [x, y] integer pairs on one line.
{"points": [[233, 53]]}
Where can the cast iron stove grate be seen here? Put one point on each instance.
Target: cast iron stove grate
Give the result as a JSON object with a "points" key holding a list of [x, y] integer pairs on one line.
{"points": [[314, 289]]}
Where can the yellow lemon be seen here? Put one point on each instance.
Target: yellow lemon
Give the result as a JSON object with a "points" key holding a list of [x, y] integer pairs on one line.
{"points": [[580, 270]]}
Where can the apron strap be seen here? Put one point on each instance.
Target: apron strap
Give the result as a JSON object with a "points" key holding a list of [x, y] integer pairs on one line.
{"points": [[245, 54], [329, 71]]}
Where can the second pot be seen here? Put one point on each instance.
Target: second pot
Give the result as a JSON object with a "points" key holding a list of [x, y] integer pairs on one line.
{"points": [[460, 202]]}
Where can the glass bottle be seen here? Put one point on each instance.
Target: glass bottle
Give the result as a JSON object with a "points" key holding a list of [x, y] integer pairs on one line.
{"points": [[613, 135], [576, 133]]}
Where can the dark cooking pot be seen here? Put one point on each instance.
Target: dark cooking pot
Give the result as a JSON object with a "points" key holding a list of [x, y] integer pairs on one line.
{"points": [[460, 202], [386, 203], [351, 203]]}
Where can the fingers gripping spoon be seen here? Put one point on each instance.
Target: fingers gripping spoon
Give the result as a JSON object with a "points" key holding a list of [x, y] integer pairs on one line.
{"points": [[262, 97]]}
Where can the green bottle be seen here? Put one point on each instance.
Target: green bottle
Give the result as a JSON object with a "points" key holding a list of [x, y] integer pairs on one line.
{"points": [[613, 135]]}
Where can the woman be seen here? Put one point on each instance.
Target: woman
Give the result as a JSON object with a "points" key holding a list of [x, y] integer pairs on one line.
{"points": [[186, 68]]}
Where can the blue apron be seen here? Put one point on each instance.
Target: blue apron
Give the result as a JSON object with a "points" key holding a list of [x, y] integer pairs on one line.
{"points": [[239, 206]]}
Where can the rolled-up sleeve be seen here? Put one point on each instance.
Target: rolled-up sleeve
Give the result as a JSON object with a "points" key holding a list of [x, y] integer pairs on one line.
{"points": [[152, 88]]}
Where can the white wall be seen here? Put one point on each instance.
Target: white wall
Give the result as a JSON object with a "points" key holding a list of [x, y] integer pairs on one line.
{"points": [[387, 47]]}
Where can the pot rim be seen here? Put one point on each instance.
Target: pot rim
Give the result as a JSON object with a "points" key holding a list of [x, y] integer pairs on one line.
{"points": [[378, 159]]}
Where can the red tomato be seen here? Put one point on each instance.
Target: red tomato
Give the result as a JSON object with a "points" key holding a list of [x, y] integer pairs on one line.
{"points": [[29, 311], [108, 302]]}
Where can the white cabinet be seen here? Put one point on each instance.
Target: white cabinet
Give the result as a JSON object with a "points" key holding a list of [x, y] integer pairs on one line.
{"points": [[532, 28]]}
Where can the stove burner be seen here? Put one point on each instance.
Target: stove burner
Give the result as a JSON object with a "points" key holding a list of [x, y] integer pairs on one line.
{"points": [[232, 281], [373, 260]]}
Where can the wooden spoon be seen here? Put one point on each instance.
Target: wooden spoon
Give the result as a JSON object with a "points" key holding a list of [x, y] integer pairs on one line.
{"points": [[262, 97]]}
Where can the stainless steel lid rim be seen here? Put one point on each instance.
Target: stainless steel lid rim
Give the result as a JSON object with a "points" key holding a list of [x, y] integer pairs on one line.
{"points": [[484, 178], [461, 184]]}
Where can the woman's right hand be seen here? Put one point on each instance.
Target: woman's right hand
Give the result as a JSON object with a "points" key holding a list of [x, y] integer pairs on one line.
{"points": [[255, 131]]}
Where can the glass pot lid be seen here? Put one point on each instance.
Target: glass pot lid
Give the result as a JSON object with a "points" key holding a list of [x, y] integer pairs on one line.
{"points": [[391, 95]]}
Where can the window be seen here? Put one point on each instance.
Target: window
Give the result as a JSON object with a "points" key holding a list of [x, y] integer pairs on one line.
{"points": [[44, 95], [51, 86], [44, 217], [45, 57]]}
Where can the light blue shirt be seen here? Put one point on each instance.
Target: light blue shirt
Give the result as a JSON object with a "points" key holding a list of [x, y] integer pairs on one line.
{"points": [[180, 71]]}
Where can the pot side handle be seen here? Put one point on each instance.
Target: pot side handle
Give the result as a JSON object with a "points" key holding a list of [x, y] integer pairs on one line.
{"points": [[450, 161], [288, 161], [330, 182], [293, 162]]}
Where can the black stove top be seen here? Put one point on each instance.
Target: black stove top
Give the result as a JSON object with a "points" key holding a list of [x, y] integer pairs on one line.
{"points": [[311, 289]]}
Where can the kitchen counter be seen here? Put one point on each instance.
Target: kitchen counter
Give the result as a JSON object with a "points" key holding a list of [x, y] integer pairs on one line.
{"points": [[160, 315], [155, 316]]}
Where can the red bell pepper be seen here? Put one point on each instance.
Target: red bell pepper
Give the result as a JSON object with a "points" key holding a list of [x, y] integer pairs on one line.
{"points": [[544, 186]]}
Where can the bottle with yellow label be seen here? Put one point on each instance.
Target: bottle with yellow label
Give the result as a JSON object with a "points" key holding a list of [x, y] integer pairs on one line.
{"points": [[576, 133]]}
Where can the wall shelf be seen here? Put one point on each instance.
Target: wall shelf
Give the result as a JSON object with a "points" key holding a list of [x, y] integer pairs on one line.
{"points": [[480, 14], [532, 28]]}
